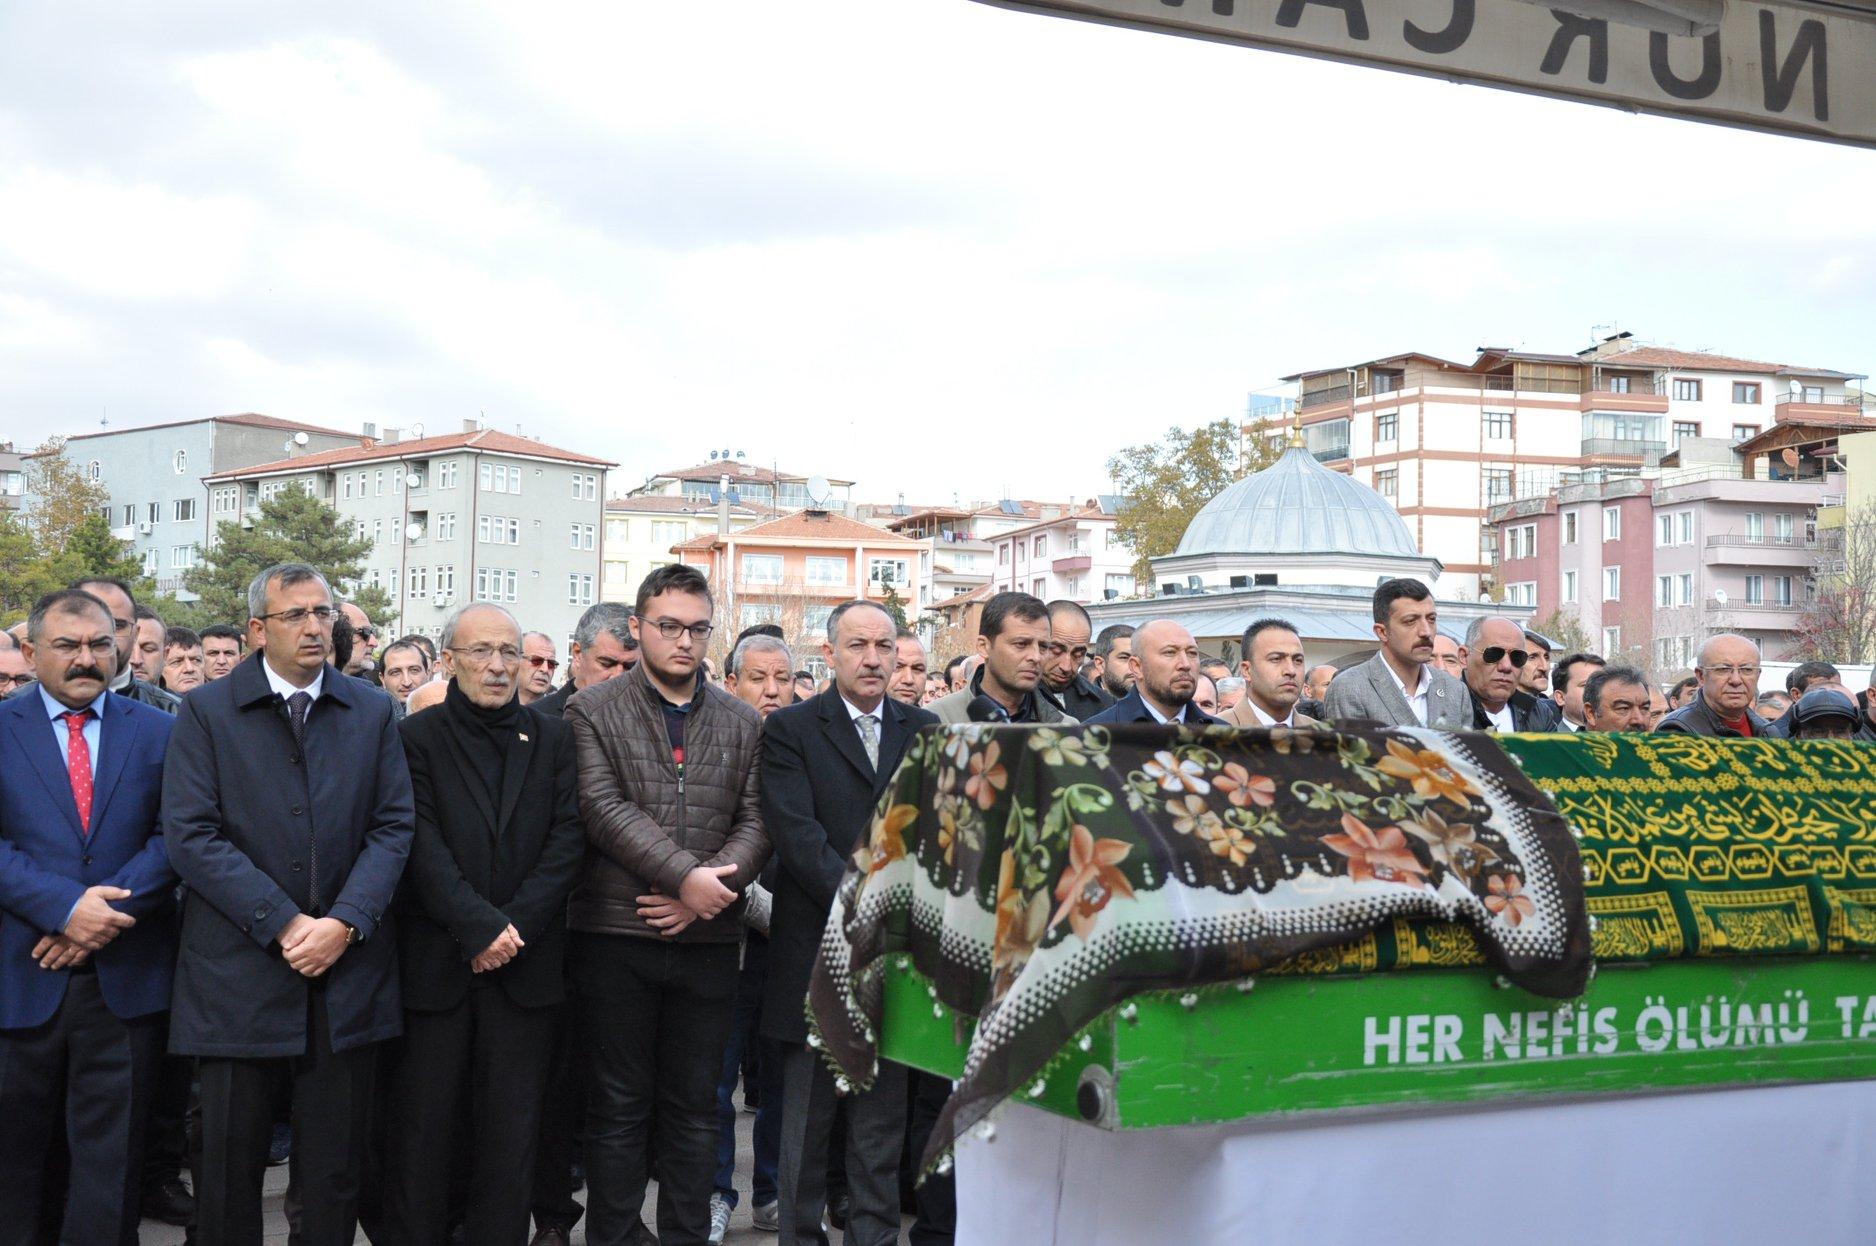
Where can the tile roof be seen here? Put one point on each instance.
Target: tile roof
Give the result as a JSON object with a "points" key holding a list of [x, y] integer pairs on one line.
{"points": [[248, 419], [1666, 357], [665, 504], [806, 525], [487, 440], [736, 469]]}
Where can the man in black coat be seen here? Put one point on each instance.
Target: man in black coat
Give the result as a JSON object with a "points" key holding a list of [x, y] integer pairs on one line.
{"points": [[1070, 630], [825, 762], [1494, 654], [482, 937], [1166, 661], [287, 812]]}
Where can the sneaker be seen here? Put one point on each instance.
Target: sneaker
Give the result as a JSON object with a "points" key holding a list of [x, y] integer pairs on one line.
{"points": [[719, 1218], [767, 1217], [280, 1145]]}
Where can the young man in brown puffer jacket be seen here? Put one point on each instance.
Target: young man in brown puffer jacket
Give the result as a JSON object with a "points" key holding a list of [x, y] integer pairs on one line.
{"points": [[674, 835]]}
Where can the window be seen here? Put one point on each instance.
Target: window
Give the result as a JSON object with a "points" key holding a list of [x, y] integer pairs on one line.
{"points": [[497, 584], [1618, 384], [585, 487], [1667, 649], [180, 462], [822, 570], [94, 470], [1664, 530], [1781, 529], [757, 612], [445, 529], [1755, 526], [182, 557], [1611, 641], [153, 511], [1521, 594], [1521, 541], [1387, 426], [1781, 590], [1683, 527], [1664, 590], [762, 568], [419, 582], [1755, 590], [1686, 390], [184, 511], [378, 484], [1569, 528], [1611, 583], [1003, 554], [1612, 523], [580, 590], [498, 530], [667, 532], [446, 474], [814, 620], [1746, 392], [1387, 483], [358, 530], [377, 531], [1684, 429], [446, 580], [1040, 546], [498, 478], [1497, 484], [226, 501], [1039, 587], [1812, 393], [1498, 426], [1569, 586], [1744, 432], [887, 571], [152, 561], [618, 530], [1684, 583], [580, 536], [345, 484], [130, 514]]}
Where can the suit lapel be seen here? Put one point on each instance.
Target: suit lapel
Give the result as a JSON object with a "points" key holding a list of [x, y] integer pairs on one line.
{"points": [[838, 724], [116, 735], [34, 732], [1382, 681], [894, 736], [514, 772]]}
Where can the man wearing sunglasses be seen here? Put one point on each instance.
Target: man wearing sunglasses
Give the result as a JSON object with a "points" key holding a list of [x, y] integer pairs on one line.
{"points": [[1494, 654], [538, 666]]}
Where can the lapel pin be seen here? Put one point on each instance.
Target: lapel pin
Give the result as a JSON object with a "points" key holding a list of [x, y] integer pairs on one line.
{"points": [[524, 737]]}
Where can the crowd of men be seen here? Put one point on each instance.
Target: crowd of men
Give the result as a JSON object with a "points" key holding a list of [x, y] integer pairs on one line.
{"points": [[452, 940]]}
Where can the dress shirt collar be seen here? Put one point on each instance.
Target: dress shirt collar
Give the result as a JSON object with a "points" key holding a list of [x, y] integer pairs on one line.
{"points": [[1181, 718], [1265, 720], [285, 690], [1501, 720], [856, 713], [54, 709]]}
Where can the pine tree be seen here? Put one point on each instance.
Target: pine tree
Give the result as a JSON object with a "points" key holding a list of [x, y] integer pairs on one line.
{"points": [[293, 526]]}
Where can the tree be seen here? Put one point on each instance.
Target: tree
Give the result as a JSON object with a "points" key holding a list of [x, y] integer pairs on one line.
{"points": [[63, 496], [1564, 627], [293, 526], [1839, 624], [26, 574], [64, 537], [1165, 482], [895, 605]]}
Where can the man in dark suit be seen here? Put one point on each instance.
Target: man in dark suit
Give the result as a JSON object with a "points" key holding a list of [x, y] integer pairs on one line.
{"points": [[825, 762], [1494, 653], [603, 648], [481, 938], [87, 928], [287, 810], [1166, 667]]}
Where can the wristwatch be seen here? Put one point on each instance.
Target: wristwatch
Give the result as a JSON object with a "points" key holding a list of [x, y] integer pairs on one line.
{"points": [[351, 932]]}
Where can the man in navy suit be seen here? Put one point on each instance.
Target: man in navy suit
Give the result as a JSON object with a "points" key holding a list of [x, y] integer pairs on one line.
{"points": [[287, 809], [1166, 665], [87, 927], [825, 762]]}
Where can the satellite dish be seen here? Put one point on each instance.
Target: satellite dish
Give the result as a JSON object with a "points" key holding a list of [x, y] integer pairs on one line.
{"points": [[300, 439], [1790, 456], [1719, 596], [817, 490], [413, 480], [416, 430], [414, 532]]}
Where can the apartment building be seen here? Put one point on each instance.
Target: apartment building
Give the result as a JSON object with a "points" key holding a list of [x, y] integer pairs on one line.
{"points": [[1074, 555], [479, 515], [154, 477], [960, 541], [12, 478], [640, 532], [748, 483], [1446, 441]]}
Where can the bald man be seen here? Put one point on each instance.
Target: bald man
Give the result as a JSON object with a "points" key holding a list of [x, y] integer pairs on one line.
{"points": [[1166, 662], [1728, 674], [1495, 653]]}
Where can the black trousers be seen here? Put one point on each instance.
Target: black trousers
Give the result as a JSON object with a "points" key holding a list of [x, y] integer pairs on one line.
{"points": [[563, 1120], [937, 1198], [658, 1018], [96, 1074], [481, 1066], [875, 1138], [331, 1095]]}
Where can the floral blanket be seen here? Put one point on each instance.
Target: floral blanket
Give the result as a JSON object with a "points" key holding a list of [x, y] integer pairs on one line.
{"points": [[1040, 876]]}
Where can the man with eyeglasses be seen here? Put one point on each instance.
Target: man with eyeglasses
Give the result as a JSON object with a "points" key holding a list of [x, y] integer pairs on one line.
{"points": [[1494, 654], [668, 793], [15, 670], [539, 665], [481, 939], [1070, 633], [287, 810], [1728, 674]]}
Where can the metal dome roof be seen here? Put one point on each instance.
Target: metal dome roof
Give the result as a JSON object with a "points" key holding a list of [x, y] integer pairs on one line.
{"points": [[1298, 506]]}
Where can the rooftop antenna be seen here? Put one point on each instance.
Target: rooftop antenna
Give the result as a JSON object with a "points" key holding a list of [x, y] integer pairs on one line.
{"points": [[104, 419]]}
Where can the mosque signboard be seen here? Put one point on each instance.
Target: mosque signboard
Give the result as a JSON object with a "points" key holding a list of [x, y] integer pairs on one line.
{"points": [[1804, 69]]}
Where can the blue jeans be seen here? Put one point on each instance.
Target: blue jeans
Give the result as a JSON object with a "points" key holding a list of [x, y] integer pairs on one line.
{"points": [[768, 1061]]}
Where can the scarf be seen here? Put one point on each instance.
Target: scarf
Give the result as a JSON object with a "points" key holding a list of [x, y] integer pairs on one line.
{"points": [[482, 738]]}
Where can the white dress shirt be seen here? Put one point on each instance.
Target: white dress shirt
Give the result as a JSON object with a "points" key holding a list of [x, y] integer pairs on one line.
{"points": [[1416, 701], [1265, 720], [286, 690], [1501, 720]]}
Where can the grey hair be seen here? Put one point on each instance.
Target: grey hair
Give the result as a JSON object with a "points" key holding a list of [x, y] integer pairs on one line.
{"points": [[757, 644], [543, 635], [450, 624], [1476, 629], [288, 574], [612, 617], [1229, 684]]}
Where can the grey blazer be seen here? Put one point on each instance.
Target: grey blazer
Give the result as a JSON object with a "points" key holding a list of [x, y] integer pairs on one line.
{"points": [[1368, 691]]}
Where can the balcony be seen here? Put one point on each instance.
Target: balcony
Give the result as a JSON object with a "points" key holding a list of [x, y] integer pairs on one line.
{"points": [[1759, 616], [1820, 407], [1073, 564], [1623, 448], [1733, 549], [124, 532], [1630, 402]]}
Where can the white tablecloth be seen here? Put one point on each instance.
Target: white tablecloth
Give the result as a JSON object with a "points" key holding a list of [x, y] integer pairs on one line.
{"points": [[1763, 1165]]}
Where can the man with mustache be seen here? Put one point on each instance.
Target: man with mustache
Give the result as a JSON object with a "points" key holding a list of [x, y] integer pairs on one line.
{"points": [[1399, 685]]}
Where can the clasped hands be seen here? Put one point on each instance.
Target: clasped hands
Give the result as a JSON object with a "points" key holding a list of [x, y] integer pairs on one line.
{"points": [[93, 924], [700, 897], [313, 944]]}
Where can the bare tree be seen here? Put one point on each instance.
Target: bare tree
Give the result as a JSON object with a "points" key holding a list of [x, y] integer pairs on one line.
{"points": [[1839, 623]]}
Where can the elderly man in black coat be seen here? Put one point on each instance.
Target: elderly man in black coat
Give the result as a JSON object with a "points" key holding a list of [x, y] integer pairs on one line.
{"points": [[482, 937], [287, 811], [825, 762]]}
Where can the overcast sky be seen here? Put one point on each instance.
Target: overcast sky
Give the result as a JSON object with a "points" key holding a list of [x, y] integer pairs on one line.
{"points": [[931, 245]]}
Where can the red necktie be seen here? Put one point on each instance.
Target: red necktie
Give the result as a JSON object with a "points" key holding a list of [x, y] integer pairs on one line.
{"points": [[78, 764]]}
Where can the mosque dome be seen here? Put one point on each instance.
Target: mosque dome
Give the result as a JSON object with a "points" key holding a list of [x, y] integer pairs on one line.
{"points": [[1298, 506]]}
